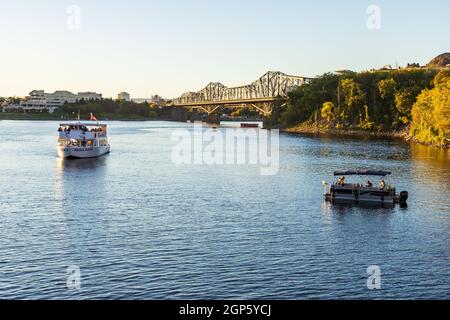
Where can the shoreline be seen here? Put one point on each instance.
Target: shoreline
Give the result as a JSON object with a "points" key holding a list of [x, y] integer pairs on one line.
{"points": [[344, 133], [297, 130], [47, 117], [399, 135]]}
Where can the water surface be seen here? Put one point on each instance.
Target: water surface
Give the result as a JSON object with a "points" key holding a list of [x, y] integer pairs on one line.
{"points": [[141, 227]]}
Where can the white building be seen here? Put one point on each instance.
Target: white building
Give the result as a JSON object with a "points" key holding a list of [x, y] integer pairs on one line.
{"points": [[57, 99], [36, 101], [7, 107], [124, 96], [87, 96], [141, 100], [40, 101]]}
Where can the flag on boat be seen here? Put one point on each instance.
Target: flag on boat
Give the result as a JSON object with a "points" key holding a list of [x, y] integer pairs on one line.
{"points": [[93, 118]]}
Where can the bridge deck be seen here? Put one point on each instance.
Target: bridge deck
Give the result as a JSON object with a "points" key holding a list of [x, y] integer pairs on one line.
{"points": [[227, 102]]}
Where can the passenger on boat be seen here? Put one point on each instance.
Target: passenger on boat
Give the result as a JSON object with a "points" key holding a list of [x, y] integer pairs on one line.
{"points": [[369, 184], [341, 181], [60, 129], [382, 184]]}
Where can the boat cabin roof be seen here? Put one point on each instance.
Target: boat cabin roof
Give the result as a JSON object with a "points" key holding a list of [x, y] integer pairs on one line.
{"points": [[86, 124], [362, 173]]}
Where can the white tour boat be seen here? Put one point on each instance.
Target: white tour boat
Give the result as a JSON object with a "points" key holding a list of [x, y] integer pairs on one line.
{"points": [[83, 140]]}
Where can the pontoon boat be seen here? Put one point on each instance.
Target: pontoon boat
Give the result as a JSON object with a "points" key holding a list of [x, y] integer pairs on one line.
{"points": [[365, 192]]}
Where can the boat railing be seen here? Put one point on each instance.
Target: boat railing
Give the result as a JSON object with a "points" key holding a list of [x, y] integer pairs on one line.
{"points": [[79, 135], [354, 187]]}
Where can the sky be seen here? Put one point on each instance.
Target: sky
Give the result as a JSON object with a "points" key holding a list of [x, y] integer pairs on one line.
{"points": [[169, 47]]}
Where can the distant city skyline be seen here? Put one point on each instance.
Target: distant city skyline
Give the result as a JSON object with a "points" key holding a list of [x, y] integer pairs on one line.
{"points": [[168, 47]]}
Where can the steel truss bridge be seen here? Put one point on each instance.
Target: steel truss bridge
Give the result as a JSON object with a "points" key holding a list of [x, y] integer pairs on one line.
{"points": [[261, 94]]}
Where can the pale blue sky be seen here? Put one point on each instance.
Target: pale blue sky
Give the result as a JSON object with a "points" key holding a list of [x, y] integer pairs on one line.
{"points": [[168, 47]]}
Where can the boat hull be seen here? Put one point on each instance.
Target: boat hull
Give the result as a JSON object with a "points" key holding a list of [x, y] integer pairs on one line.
{"points": [[83, 152], [387, 200], [357, 194]]}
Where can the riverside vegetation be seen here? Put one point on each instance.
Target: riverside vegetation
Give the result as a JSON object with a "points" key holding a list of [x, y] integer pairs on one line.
{"points": [[413, 103], [103, 109], [112, 109]]}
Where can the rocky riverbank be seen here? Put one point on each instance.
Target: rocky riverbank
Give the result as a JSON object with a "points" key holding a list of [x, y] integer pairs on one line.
{"points": [[314, 130]]}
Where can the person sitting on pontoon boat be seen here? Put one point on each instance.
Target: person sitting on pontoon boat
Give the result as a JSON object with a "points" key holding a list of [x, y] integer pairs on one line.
{"points": [[369, 184], [341, 181], [382, 184]]}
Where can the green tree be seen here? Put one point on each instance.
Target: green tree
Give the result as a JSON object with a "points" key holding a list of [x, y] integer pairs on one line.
{"points": [[387, 88], [307, 100], [355, 98], [404, 100], [380, 100]]}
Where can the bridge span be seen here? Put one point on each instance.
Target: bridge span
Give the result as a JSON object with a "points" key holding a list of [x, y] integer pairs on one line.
{"points": [[261, 94]]}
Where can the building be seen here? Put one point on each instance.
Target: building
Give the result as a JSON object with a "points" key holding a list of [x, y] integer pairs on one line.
{"points": [[124, 96], [88, 96], [58, 99], [7, 107], [39, 101], [141, 100], [36, 101], [157, 100]]}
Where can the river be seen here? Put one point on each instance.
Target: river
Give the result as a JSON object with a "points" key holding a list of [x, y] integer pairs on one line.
{"points": [[138, 226]]}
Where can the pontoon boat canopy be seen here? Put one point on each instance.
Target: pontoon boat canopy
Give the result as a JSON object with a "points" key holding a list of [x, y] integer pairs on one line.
{"points": [[362, 173]]}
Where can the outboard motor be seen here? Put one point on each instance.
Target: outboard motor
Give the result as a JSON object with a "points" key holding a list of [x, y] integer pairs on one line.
{"points": [[404, 197]]}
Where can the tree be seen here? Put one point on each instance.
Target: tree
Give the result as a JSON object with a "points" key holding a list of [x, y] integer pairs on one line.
{"points": [[327, 112], [354, 97], [442, 77], [386, 112], [305, 101], [386, 88], [368, 100], [431, 114], [404, 100], [441, 101]]}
